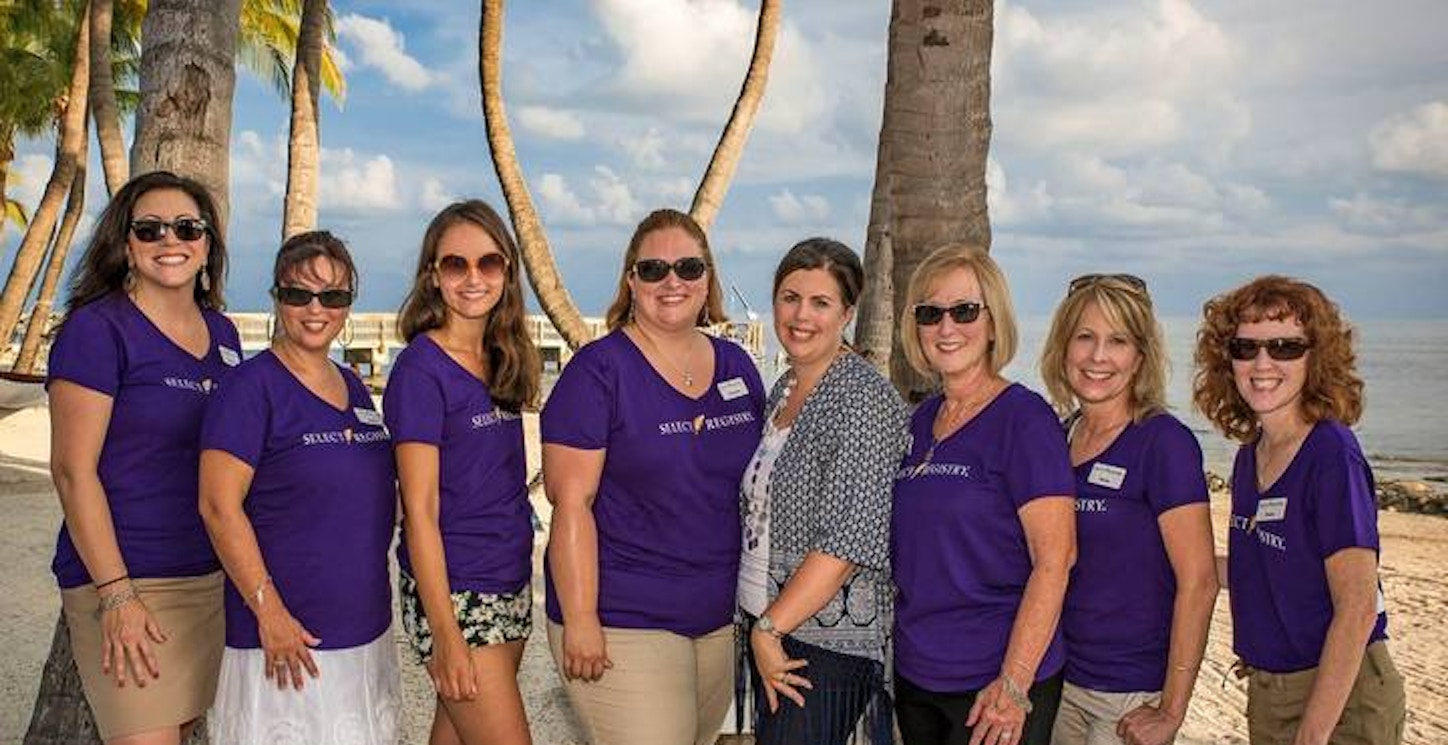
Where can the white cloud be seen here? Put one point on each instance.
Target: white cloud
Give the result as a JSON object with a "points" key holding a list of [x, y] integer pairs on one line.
{"points": [[26, 183], [616, 203], [809, 209], [435, 195], [555, 124], [647, 150], [559, 203], [351, 182], [381, 48], [1413, 142], [1365, 213], [612, 200]]}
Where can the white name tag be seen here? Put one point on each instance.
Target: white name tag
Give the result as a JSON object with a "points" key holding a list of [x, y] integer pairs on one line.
{"points": [[1269, 510], [368, 416], [733, 388], [1107, 475], [229, 356]]}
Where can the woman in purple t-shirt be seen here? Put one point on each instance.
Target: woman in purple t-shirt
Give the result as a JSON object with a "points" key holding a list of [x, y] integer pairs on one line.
{"points": [[1141, 595], [453, 405], [645, 439], [298, 491], [983, 535], [1276, 371], [143, 346]]}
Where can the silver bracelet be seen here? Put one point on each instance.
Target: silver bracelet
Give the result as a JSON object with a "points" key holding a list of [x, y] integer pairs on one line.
{"points": [[118, 599], [1016, 695]]}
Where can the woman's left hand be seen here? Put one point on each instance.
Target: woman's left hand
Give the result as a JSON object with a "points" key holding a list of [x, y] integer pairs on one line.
{"points": [[995, 719], [777, 670], [1148, 725]]}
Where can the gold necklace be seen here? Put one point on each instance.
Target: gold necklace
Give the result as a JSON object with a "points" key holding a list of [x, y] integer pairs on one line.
{"points": [[965, 409], [682, 370]]}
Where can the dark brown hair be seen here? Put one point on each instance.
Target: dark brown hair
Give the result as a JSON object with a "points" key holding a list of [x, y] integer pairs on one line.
{"points": [[832, 256], [299, 250], [1332, 390], [620, 309], [512, 358], [104, 265]]}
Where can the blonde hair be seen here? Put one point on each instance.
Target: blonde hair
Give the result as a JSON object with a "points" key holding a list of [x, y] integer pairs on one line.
{"points": [[1127, 309], [995, 294]]}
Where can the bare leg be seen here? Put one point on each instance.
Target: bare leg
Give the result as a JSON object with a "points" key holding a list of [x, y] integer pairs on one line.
{"points": [[496, 716]]}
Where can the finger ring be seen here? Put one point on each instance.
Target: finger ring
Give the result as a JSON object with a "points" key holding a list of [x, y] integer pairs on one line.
{"points": [[1006, 734]]}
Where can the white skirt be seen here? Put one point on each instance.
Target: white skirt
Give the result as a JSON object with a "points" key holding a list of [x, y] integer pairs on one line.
{"points": [[354, 701]]}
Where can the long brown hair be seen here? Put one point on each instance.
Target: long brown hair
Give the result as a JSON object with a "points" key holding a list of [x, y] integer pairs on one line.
{"points": [[622, 307], [104, 266], [512, 357], [1333, 389]]}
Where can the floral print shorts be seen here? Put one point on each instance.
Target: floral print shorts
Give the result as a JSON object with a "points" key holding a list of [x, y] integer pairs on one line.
{"points": [[485, 618]]}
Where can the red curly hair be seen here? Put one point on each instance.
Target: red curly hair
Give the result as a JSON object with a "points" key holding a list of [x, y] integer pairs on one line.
{"points": [[1332, 390]]}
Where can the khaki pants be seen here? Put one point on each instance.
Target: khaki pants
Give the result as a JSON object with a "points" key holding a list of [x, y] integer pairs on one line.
{"points": [[1089, 717], [663, 689], [1373, 714]]}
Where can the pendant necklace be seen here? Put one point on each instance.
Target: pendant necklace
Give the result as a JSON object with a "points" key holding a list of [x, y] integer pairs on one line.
{"points": [[682, 370], [966, 408]]}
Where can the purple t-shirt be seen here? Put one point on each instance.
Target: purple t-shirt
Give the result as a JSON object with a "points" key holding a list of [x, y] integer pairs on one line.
{"points": [[1118, 613], [667, 507], [1280, 540], [148, 462], [957, 544], [323, 501], [483, 510]]}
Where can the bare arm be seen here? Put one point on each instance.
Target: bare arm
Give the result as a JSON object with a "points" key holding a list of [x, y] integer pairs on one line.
{"points": [[79, 418], [225, 481], [1187, 534], [418, 474], [1352, 578], [570, 479], [818, 578], [1050, 527]]}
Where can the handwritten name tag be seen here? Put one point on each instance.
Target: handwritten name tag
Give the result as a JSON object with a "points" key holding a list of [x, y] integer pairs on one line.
{"points": [[229, 356], [368, 416], [1270, 510], [732, 388], [1107, 475]]}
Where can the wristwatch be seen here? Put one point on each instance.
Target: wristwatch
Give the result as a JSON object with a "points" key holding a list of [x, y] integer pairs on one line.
{"points": [[766, 624]]}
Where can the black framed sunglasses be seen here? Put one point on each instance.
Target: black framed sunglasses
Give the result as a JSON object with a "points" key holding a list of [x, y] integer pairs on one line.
{"points": [[1130, 281], [929, 315], [1281, 349], [150, 230], [688, 268], [299, 297], [454, 268]]}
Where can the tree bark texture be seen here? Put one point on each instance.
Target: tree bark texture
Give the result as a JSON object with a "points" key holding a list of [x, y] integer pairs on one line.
{"points": [[188, 75], [543, 273], [934, 139], [104, 111], [7, 156], [70, 142], [54, 267], [305, 141], [725, 161]]}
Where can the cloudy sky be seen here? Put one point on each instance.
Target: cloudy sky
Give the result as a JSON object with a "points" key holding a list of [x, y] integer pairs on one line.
{"points": [[1193, 142]]}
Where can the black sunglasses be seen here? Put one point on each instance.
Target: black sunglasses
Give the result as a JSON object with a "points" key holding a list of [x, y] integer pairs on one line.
{"points": [[688, 268], [1282, 350], [298, 297], [929, 315], [1131, 281], [150, 230], [453, 267]]}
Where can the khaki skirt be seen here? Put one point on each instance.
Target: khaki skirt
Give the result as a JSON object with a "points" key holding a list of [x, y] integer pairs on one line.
{"points": [[190, 613]]}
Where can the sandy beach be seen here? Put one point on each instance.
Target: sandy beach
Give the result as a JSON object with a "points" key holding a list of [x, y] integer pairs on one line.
{"points": [[1415, 550]]}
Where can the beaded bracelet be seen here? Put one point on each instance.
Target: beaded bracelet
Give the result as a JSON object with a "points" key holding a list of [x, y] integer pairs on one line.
{"points": [[117, 599], [1017, 696]]}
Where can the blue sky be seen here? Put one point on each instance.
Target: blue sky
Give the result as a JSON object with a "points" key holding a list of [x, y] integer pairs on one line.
{"points": [[1193, 142]]}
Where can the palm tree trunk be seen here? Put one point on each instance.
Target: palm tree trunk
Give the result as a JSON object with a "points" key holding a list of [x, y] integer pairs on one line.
{"points": [[188, 75], [7, 156], [54, 267], [103, 98], [69, 144], [532, 242], [710, 196], [875, 322], [300, 211], [934, 140]]}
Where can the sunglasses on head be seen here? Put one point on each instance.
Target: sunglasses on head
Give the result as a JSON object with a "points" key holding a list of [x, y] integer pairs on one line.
{"points": [[929, 315], [688, 268], [1131, 281], [298, 297], [1282, 350], [150, 230], [453, 267]]}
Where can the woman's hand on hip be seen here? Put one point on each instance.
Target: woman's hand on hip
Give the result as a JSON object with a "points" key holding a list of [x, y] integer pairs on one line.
{"points": [[996, 719], [129, 630], [777, 671], [1148, 725], [585, 651], [451, 666], [286, 645]]}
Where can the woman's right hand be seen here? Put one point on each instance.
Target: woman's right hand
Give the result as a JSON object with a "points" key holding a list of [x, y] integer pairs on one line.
{"points": [[585, 653], [286, 645], [128, 630], [451, 667]]}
